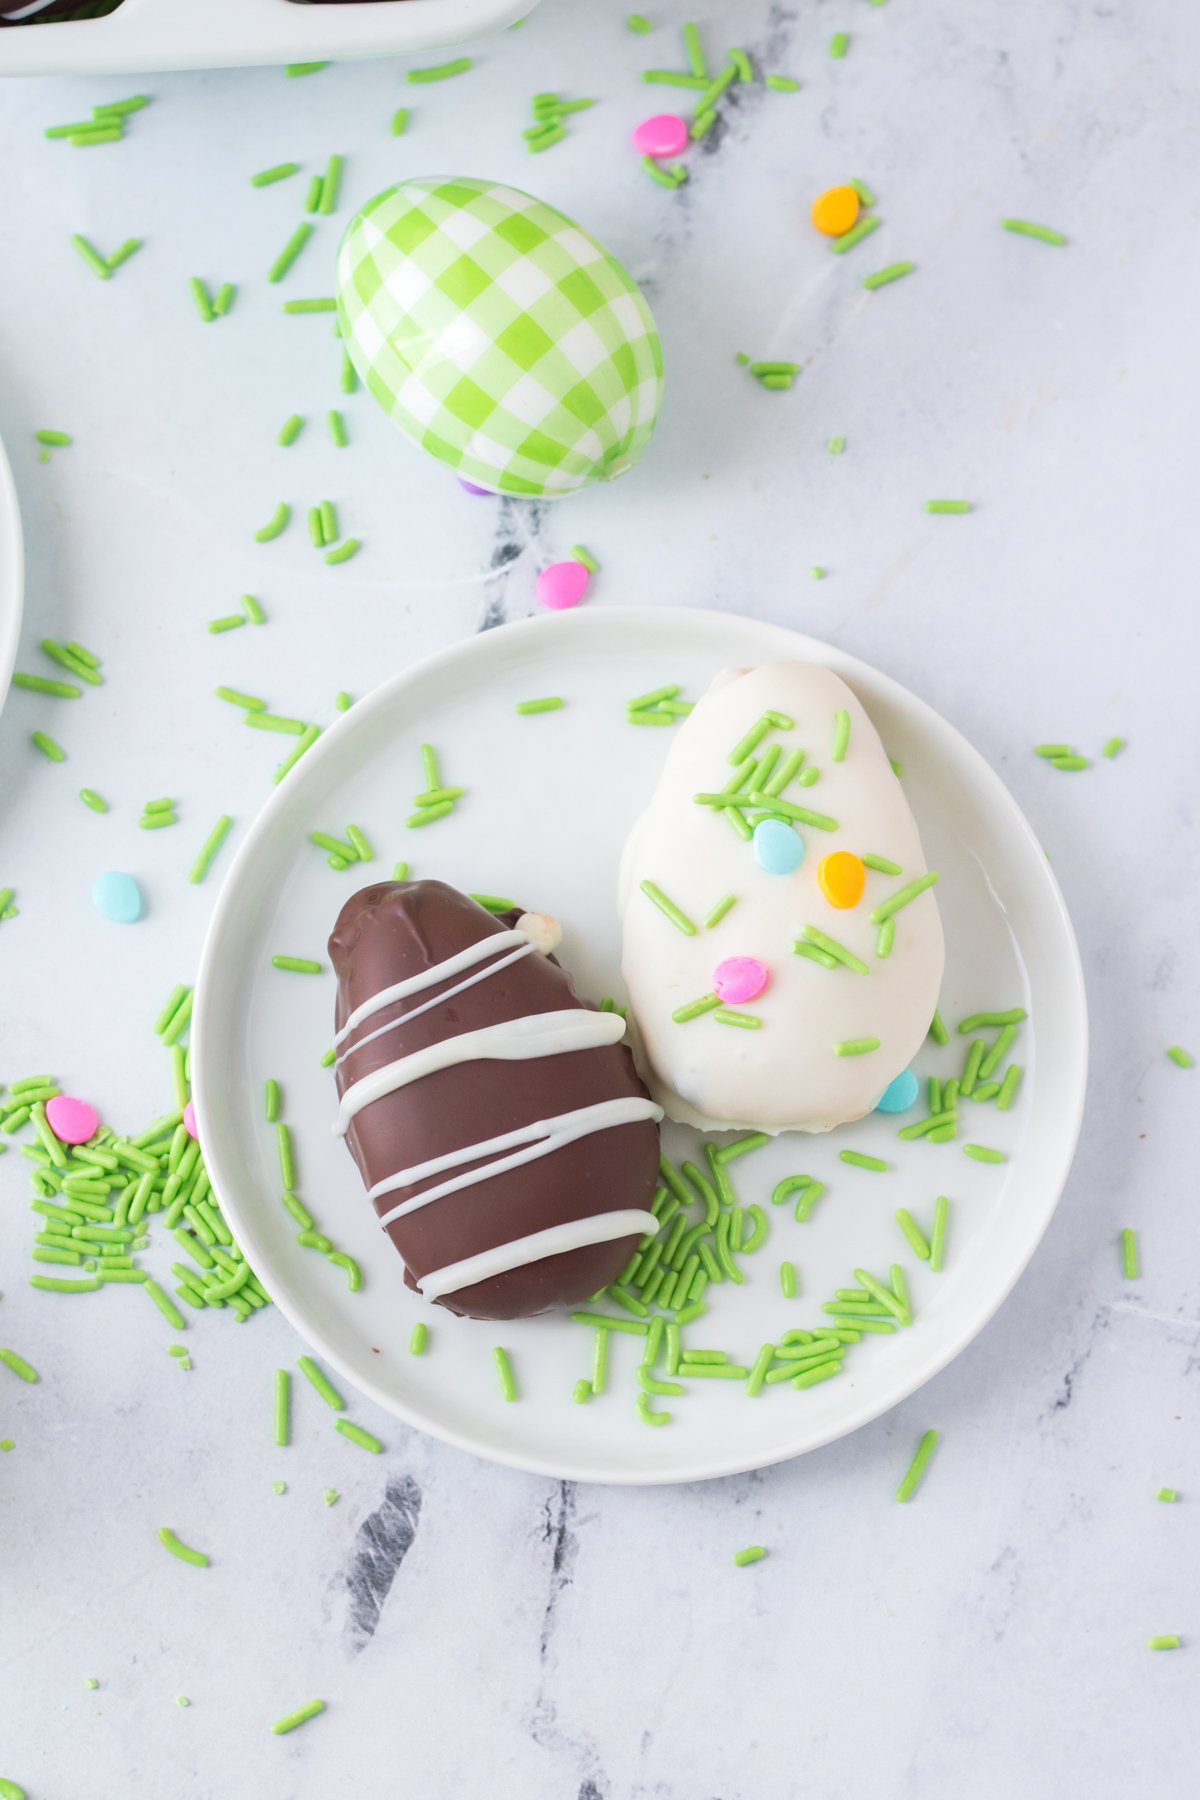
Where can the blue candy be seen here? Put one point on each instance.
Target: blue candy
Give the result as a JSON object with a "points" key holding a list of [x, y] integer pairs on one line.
{"points": [[118, 897], [899, 1095], [777, 848]]}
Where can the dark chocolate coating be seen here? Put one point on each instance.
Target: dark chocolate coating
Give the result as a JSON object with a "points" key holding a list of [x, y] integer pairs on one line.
{"points": [[60, 9], [395, 930]]}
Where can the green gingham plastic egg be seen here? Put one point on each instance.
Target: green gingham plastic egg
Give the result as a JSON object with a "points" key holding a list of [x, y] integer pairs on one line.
{"points": [[499, 336]]}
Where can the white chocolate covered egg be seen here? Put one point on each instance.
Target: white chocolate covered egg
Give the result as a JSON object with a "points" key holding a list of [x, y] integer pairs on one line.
{"points": [[783, 951]]}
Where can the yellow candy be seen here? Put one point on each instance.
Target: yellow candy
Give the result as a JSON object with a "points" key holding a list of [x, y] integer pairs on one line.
{"points": [[835, 211], [842, 876]]}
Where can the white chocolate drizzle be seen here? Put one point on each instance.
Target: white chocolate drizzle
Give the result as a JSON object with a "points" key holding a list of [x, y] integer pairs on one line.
{"points": [[556, 1240], [414, 984], [427, 1005], [517, 1040], [541, 1138]]}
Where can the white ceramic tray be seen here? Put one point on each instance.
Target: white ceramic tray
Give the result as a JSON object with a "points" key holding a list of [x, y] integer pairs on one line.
{"points": [[549, 800], [212, 34]]}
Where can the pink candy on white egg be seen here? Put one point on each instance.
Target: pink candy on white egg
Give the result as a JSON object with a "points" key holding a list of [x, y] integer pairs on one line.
{"points": [[189, 1119], [740, 978]]}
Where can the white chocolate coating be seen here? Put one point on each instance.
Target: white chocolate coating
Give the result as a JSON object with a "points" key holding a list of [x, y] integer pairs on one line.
{"points": [[784, 1075]]}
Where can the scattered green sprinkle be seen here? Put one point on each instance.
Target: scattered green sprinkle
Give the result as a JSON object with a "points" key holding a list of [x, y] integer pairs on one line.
{"points": [[884, 277], [1025, 228], [331, 186], [947, 506], [209, 848], [1114, 747], [46, 744], [639, 23], [865, 226], [787, 1280], [1130, 1268], [277, 172], [364, 1439], [1168, 1641], [1183, 1059], [91, 256], [857, 1159], [275, 524], [337, 428], [399, 121], [442, 71], [302, 1714], [290, 252], [1168, 1495], [981, 1153], [418, 1339], [344, 552], [551, 703], [839, 43], [184, 1552], [725, 1015], [298, 965], [292, 70], [836, 446], [751, 1554], [917, 1467], [504, 1373], [20, 1368], [782, 84]]}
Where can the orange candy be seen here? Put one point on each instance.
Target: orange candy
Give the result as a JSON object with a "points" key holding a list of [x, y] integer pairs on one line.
{"points": [[835, 211], [842, 876]]}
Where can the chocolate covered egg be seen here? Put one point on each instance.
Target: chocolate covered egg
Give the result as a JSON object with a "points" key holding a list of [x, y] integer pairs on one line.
{"points": [[782, 945], [499, 335]]}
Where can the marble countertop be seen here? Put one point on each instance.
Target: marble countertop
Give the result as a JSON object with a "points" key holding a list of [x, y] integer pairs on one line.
{"points": [[476, 1632]]}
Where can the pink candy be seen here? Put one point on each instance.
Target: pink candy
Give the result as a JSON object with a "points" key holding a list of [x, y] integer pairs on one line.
{"points": [[71, 1121], [189, 1119], [666, 134], [562, 584], [740, 978]]}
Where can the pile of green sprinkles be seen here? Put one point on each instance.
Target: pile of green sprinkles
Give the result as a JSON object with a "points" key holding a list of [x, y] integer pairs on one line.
{"points": [[549, 110], [775, 376], [106, 125], [435, 800], [658, 706]]}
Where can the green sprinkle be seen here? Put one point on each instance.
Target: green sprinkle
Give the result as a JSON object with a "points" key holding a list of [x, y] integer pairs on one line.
{"points": [[981, 1153], [292, 70], [364, 1439], [292, 728], [551, 703], [884, 277], [228, 622], [787, 1280], [694, 1008], [1169, 1495], [694, 52], [277, 172], [344, 552], [1008, 1087], [302, 1714], [1070, 764], [201, 299], [209, 848], [751, 1554], [718, 912], [912, 1232], [337, 428], [885, 938], [947, 506], [40, 684], [1114, 747], [725, 1015], [504, 1374], [676, 78], [290, 430], [858, 1160], [319, 304], [317, 1377], [51, 1285], [331, 185], [224, 299], [442, 71], [282, 1412], [839, 43], [97, 134], [581, 1393], [41, 741], [275, 524], [21, 1369], [1015, 1016], [903, 897], [1129, 1255], [399, 121], [782, 84], [298, 965], [1169, 1641], [168, 1309], [1183, 1059], [917, 1467], [855, 235], [290, 252], [418, 1338], [316, 188], [610, 1322], [579, 554], [1025, 228], [652, 716], [428, 814], [668, 908], [639, 23], [169, 1541], [841, 734], [91, 256], [822, 1371]]}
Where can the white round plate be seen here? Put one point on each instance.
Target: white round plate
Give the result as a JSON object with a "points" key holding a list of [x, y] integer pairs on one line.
{"points": [[12, 574], [549, 799]]}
